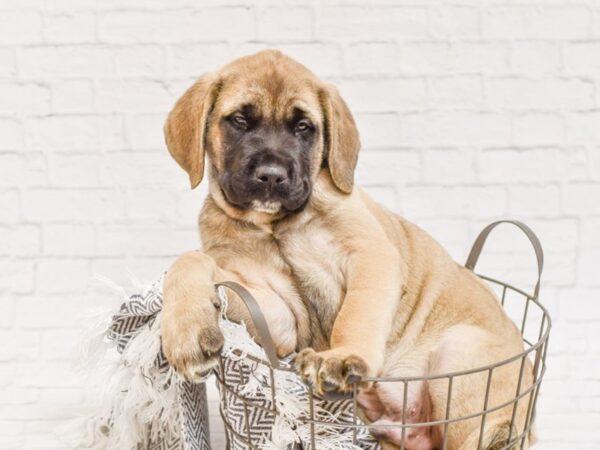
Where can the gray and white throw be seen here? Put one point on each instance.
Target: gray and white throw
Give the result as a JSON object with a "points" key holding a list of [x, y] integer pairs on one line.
{"points": [[147, 405]]}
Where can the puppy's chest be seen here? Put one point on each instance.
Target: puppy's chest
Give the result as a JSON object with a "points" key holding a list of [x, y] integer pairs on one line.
{"points": [[318, 263]]}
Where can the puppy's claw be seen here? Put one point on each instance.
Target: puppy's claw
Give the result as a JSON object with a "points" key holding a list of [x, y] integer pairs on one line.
{"points": [[329, 387], [354, 379], [200, 373]]}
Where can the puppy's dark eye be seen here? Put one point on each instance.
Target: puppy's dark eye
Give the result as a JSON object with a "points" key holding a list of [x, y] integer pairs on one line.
{"points": [[302, 126], [239, 121]]}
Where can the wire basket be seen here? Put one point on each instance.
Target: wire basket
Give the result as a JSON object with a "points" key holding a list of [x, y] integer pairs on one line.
{"points": [[248, 420]]}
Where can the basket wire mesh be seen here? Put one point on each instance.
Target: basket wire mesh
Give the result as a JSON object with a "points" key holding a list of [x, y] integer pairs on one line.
{"points": [[534, 324]]}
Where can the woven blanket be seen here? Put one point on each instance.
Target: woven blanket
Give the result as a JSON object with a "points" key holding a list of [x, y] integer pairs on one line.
{"points": [[147, 405]]}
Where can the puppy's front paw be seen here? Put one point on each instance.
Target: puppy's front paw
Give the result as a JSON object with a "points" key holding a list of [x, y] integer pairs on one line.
{"points": [[191, 338], [331, 373]]}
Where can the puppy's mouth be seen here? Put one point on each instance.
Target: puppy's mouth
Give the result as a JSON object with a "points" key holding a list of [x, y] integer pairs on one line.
{"points": [[243, 194], [266, 207]]}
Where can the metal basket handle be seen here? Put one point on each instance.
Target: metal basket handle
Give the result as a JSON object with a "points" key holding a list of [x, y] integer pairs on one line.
{"points": [[258, 319], [535, 242]]}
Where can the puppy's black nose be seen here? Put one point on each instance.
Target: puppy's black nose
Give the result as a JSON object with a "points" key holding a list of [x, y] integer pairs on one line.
{"points": [[271, 174]]}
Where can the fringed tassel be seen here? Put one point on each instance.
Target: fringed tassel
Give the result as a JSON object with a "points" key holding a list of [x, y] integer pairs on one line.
{"points": [[139, 400]]}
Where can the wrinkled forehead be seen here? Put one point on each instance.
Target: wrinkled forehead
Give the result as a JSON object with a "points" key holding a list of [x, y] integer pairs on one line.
{"points": [[271, 97]]}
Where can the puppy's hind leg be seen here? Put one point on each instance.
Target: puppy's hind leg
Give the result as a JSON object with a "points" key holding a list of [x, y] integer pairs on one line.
{"points": [[465, 347], [495, 437]]}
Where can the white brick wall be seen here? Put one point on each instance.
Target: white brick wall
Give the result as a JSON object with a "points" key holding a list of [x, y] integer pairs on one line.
{"points": [[469, 111]]}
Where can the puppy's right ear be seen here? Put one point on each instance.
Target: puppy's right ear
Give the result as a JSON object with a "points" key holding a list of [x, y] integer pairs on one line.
{"points": [[186, 126], [341, 139]]}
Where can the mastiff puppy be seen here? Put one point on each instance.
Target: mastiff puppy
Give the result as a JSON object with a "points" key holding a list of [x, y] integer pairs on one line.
{"points": [[352, 287]]}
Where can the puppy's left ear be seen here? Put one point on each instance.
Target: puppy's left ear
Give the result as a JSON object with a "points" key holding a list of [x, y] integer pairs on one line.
{"points": [[186, 126], [342, 142]]}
